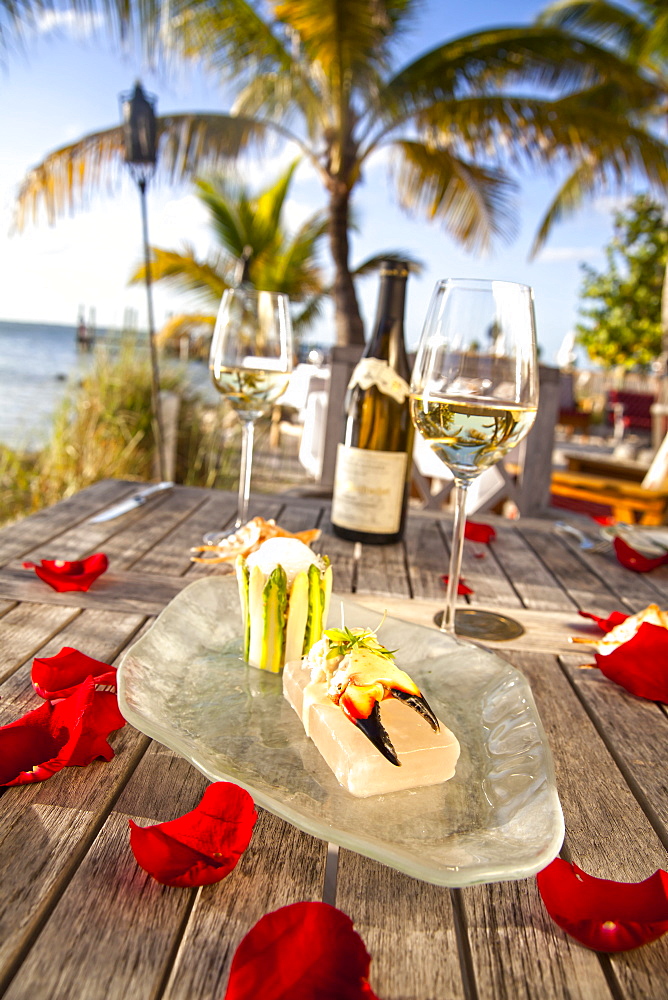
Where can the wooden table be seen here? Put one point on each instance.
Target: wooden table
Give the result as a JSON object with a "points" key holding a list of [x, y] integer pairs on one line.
{"points": [[80, 919]]}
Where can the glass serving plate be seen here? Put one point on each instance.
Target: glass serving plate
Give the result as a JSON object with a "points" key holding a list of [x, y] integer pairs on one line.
{"points": [[185, 684]]}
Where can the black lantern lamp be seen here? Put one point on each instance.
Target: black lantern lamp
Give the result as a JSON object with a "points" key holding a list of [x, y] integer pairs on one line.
{"points": [[140, 143]]}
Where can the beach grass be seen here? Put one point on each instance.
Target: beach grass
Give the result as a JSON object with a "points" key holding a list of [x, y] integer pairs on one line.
{"points": [[103, 429]]}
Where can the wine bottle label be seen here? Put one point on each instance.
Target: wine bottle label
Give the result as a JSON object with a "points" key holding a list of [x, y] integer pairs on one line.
{"points": [[374, 371], [369, 489]]}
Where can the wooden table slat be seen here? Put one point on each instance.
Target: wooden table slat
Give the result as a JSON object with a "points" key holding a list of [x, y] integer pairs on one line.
{"points": [[80, 921]]}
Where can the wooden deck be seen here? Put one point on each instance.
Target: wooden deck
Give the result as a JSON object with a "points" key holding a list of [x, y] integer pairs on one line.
{"points": [[80, 921]]}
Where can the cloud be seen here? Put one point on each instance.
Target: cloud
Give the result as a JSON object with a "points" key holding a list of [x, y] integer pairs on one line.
{"points": [[552, 255], [78, 26]]}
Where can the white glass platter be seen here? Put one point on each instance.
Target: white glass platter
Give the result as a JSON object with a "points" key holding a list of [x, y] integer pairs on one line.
{"points": [[185, 684]]}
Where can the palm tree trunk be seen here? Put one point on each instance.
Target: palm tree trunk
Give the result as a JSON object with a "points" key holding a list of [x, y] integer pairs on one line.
{"points": [[349, 326]]}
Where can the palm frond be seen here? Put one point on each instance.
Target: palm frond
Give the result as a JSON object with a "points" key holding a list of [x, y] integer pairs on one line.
{"points": [[541, 57], [346, 38], [286, 97], [522, 129], [183, 272], [269, 202], [607, 23], [311, 311], [473, 204], [184, 325], [221, 199], [606, 166], [232, 38], [189, 144], [570, 196]]}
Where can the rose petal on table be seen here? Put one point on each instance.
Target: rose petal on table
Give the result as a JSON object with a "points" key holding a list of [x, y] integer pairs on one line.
{"points": [[203, 845], [631, 559], [641, 664], [606, 624], [461, 586], [69, 733], [78, 574], [59, 676], [476, 532], [602, 914], [305, 951]]}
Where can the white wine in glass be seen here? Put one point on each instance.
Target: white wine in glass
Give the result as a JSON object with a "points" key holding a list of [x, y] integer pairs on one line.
{"points": [[250, 361], [474, 396]]}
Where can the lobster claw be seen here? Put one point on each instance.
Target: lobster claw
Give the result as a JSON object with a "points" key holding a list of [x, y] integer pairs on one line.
{"points": [[370, 724], [375, 731], [419, 704]]}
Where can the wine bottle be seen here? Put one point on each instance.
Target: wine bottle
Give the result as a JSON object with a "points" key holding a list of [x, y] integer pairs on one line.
{"points": [[374, 457]]}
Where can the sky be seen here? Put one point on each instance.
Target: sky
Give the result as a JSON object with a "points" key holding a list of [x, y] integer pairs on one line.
{"points": [[66, 83]]}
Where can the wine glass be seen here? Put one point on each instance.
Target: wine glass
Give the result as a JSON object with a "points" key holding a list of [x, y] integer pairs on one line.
{"points": [[250, 361], [474, 395]]}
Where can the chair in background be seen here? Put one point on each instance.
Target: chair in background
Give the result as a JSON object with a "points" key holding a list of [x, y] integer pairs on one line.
{"points": [[629, 411], [600, 493]]}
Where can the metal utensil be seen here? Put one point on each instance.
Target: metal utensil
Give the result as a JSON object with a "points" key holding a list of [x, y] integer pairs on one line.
{"points": [[586, 543], [136, 500]]}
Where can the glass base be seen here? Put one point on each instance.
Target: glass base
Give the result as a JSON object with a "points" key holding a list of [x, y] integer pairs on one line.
{"points": [[483, 624]]}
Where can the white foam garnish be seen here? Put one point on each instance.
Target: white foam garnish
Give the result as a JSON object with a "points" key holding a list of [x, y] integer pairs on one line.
{"points": [[293, 555]]}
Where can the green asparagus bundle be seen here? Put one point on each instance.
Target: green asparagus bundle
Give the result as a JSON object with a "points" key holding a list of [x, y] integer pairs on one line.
{"points": [[284, 590]]}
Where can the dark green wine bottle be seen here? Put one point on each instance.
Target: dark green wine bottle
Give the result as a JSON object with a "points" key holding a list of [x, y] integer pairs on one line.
{"points": [[374, 457]]}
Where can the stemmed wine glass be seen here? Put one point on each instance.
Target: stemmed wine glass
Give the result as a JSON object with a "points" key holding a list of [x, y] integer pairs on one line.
{"points": [[250, 361], [474, 395]]}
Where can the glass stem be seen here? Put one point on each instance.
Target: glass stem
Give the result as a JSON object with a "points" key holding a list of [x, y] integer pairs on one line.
{"points": [[247, 435], [448, 623]]}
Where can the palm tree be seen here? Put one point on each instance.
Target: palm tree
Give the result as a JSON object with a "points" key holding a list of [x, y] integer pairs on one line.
{"points": [[322, 74], [249, 225], [638, 34]]}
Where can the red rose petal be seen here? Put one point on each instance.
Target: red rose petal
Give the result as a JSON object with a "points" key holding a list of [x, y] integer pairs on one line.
{"points": [[306, 951], [641, 664], [476, 532], [76, 575], [606, 624], [601, 914], [202, 846], [70, 733], [631, 559], [59, 676], [461, 586]]}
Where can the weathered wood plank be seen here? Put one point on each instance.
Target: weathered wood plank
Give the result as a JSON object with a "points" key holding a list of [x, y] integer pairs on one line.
{"points": [[281, 866], [520, 954], [544, 630], [46, 828], [382, 569], [634, 590], [587, 589], [117, 926], [126, 592], [408, 928], [41, 528], [535, 584], [427, 557], [482, 571], [129, 544], [171, 555], [607, 834], [635, 732], [100, 634], [25, 630]]}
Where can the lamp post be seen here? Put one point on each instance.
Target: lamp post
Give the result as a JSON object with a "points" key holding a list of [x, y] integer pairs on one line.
{"points": [[140, 142]]}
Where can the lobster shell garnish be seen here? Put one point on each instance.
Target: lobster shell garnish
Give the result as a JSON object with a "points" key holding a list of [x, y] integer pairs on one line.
{"points": [[248, 538]]}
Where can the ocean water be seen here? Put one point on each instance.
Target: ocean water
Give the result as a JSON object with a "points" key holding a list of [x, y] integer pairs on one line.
{"points": [[38, 363]]}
